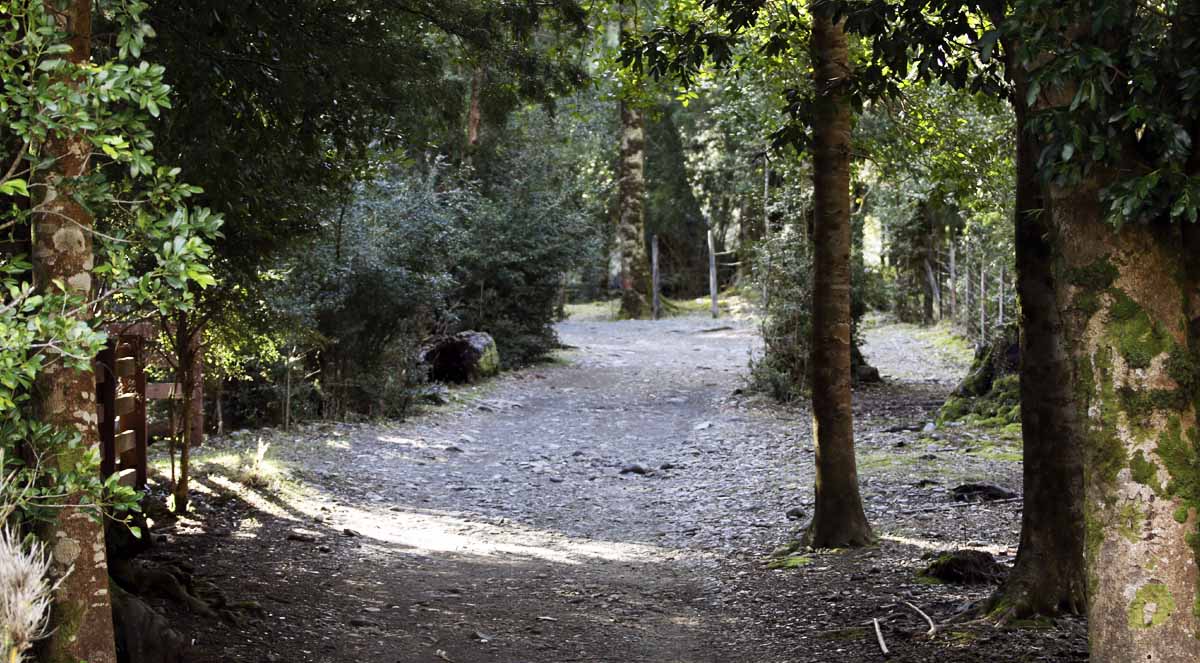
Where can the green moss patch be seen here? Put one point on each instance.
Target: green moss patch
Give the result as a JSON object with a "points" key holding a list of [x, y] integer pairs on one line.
{"points": [[1130, 519], [1145, 472], [999, 407], [1138, 338], [1099, 275], [1151, 606], [790, 562]]}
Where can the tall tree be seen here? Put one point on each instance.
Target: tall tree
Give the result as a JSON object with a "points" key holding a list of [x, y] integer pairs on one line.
{"points": [[1048, 577], [838, 519], [631, 195], [1121, 166], [81, 616]]}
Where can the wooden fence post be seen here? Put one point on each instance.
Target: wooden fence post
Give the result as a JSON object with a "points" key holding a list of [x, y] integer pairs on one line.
{"points": [[982, 299], [656, 309], [712, 273], [1000, 298]]}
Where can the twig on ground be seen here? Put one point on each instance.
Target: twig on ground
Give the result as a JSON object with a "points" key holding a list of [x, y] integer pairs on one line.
{"points": [[932, 626], [879, 636]]}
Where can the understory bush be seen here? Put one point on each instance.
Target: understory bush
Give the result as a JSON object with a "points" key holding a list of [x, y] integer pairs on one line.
{"points": [[783, 371], [531, 228], [421, 251], [364, 294]]}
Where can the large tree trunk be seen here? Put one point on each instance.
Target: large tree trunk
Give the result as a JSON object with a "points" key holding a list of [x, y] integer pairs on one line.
{"points": [[631, 224], [81, 616], [838, 519], [1126, 308], [1124, 297], [1048, 576]]}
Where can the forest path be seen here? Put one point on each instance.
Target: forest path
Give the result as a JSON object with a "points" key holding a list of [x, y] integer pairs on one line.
{"points": [[504, 530]]}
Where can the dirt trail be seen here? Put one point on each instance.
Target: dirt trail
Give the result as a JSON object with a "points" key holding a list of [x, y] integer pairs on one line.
{"points": [[506, 531]]}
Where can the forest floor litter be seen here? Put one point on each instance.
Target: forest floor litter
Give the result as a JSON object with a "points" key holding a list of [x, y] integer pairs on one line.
{"points": [[618, 505]]}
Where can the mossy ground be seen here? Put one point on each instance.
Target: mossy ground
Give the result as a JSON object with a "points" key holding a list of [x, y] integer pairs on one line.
{"points": [[790, 562], [999, 408], [730, 303]]}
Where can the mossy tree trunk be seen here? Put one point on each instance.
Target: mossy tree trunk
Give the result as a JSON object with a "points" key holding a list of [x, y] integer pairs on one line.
{"points": [[838, 519], [631, 204], [81, 616], [1048, 577], [1124, 296], [1126, 306]]}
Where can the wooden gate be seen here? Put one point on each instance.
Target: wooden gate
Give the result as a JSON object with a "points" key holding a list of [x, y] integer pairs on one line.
{"points": [[122, 394], [121, 404]]}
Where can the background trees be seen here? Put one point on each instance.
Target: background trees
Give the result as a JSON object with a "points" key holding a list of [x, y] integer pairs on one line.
{"points": [[972, 164]]}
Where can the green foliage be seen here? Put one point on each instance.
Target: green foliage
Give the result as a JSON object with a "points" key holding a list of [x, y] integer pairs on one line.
{"points": [[362, 295], [529, 232], [418, 252], [1142, 126], [150, 248], [284, 111], [672, 209], [784, 370]]}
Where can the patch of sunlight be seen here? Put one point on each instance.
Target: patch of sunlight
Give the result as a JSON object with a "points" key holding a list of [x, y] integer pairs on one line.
{"points": [[341, 445], [228, 460], [925, 544], [247, 528], [434, 533], [407, 442], [250, 496], [200, 488], [593, 311]]}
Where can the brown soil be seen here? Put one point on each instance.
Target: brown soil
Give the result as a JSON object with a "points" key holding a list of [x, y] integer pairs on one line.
{"points": [[502, 529]]}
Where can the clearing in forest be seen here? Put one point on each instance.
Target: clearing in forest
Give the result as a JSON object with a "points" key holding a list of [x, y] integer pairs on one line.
{"points": [[618, 505]]}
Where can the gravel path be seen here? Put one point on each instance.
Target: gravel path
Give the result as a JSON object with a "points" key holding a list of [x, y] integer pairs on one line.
{"points": [[615, 507]]}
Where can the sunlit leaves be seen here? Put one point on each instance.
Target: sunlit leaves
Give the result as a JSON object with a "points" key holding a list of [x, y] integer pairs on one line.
{"points": [[1112, 89], [150, 248]]}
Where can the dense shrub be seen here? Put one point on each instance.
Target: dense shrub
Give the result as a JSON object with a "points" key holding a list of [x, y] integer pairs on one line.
{"points": [[360, 297], [531, 228], [422, 250], [785, 262], [783, 370]]}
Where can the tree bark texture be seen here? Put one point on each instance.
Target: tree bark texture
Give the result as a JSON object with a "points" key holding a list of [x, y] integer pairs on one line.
{"points": [[631, 224], [631, 201], [838, 519], [81, 616], [1126, 305], [474, 110], [1125, 297], [187, 354]]}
